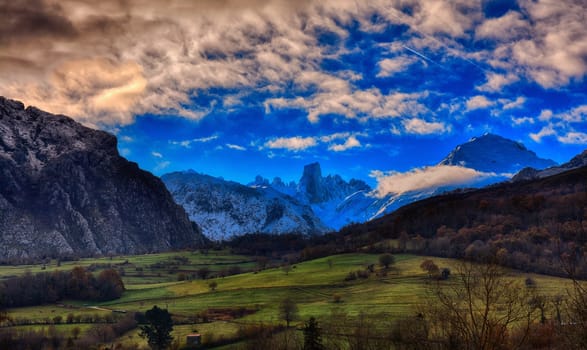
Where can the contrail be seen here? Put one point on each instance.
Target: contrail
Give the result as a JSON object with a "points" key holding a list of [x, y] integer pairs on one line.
{"points": [[423, 56]]}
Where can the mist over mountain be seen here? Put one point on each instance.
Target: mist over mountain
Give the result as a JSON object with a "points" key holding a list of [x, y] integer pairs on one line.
{"points": [[65, 190]]}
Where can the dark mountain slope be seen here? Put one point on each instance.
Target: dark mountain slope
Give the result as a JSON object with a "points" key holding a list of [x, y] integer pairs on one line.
{"points": [[65, 190], [530, 225]]}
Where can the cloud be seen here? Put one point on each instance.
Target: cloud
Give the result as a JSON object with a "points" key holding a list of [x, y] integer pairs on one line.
{"points": [[496, 81], [351, 142], [508, 27], [478, 102], [161, 166], [99, 62], [563, 125], [295, 144], [189, 143], [427, 178], [156, 154], [422, 127], [522, 120], [235, 147], [517, 103], [391, 66], [545, 131], [354, 104], [574, 137]]}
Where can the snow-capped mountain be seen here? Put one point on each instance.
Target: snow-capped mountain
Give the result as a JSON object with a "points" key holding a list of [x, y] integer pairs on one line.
{"points": [[325, 194], [319, 203], [496, 154], [225, 209], [494, 158]]}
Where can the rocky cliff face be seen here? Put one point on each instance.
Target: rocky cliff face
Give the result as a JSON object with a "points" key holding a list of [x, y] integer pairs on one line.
{"points": [[65, 190]]}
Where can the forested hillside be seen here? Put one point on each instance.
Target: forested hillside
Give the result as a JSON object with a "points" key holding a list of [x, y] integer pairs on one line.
{"points": [[533, 225]]}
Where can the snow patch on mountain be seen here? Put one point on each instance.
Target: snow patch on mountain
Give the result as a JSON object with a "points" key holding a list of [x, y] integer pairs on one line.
{"points": [[225, 209]]}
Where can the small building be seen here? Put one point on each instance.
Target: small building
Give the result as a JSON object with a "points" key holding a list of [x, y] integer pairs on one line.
{"points": [[194, 339]]}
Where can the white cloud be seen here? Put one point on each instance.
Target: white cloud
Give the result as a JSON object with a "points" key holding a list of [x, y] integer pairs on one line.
{"points": [[351, 142], [295, 144], [563, 125], [112, 69], [161, 166], [189, 143], [478, 102], [156, 154], [522, 120], [126, 138], [506, 28], [391, 66], [428, 178], [422, 127], [573, 137], [495, 81], [517, 103], [235, 147], [545, 115], [545, 131], [355, 104]]}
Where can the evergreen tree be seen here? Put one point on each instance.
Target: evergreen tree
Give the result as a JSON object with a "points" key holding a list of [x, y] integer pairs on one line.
{"points": [[312, 336], [158, 328]]}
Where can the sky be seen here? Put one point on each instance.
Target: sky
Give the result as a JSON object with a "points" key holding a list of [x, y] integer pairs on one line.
{"points": [[236, 88]]}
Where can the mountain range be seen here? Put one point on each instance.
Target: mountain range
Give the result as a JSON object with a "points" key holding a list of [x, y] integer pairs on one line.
{"points": [[66, 191], [318, 203]]}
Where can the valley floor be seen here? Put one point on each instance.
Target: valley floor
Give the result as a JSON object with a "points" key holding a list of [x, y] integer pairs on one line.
{"points": [[320, 288]]}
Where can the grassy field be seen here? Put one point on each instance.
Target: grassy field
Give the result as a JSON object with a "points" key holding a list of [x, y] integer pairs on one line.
{"points": [[313, 285]]}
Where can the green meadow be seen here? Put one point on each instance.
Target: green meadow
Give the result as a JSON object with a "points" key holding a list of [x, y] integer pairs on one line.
{"points": [[318, 287]]}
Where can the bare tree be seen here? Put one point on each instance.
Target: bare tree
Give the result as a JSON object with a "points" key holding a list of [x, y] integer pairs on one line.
{"points": [[477, 309], [288, 310]]}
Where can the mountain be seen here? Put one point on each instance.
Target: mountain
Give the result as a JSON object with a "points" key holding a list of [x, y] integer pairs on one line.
{"points": [[530, 173], [65, 190], [225, 209], [530, 225], [493, 153], [325, 194], [317, 203]]}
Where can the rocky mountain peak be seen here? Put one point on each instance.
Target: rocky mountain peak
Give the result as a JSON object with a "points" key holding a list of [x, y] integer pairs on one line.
{"points": [[65, 190], [311, 183]]}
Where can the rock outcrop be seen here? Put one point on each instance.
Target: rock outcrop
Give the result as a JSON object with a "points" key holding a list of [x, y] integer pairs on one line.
{"points": [[65, 190]]}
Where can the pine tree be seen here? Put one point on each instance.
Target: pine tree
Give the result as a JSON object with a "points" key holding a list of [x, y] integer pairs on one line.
{"points": [[312, 336], [159, 327]]}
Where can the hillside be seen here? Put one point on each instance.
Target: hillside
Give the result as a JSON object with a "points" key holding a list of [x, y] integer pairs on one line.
{"points": [[532, 225], [65, 191]]}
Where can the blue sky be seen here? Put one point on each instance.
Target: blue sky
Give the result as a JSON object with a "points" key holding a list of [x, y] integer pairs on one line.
{"points": [[243, 88]]}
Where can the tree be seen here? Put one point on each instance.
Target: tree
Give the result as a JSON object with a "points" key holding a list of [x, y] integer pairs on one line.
{"points": [[288, 310], [386, 260], [158, 328], [478, 310], [203, 273], [212, 285], [429, 266], [312, 335], [110, 285]]}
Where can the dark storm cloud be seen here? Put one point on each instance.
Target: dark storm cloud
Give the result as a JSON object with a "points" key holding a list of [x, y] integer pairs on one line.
{"points": [[22, 20]]}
